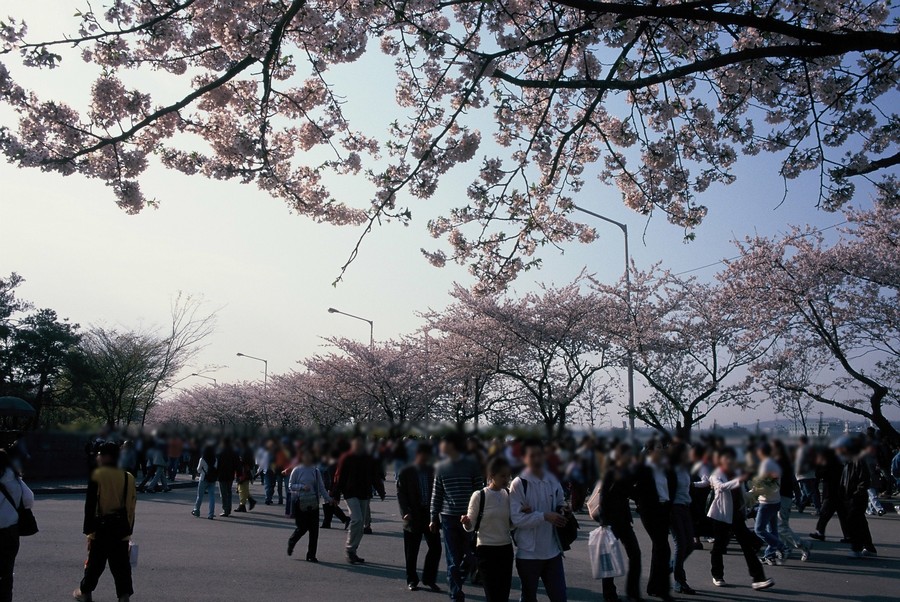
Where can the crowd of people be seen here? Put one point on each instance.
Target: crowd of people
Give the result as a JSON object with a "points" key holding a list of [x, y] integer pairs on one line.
{"points": [[492, 508]]}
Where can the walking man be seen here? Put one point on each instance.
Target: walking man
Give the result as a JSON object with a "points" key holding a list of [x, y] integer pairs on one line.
{"points": [[227, 463], [414, 485], [768, 484], [854, 491], [654, 504], [535, 502], [357, 475], [108, 523], [455, 480]]}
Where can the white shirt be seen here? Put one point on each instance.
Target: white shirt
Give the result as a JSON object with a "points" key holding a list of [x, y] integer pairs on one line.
{"points": [[535, 538], [9, 514], [770, 467], [494, 528]]}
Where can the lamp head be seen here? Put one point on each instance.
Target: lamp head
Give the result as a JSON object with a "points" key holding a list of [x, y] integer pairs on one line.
{"points": [[240, 355], [332, 310]]}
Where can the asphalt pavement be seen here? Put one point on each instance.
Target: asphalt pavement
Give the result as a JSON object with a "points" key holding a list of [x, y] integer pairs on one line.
{"points": [[183, 558]]}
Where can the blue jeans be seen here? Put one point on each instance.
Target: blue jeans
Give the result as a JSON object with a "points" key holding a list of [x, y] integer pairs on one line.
{"points": [[874, 505], [206, 487], [269, 485], [460, 557], [551, 572], [809, 493], [767, 528]]}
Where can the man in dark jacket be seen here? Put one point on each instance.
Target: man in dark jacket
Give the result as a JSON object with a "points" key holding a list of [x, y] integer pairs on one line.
{"points": [[414, 484], [829, 470], [227, 462], [615, 512], [357, 475], [654, 503], [854, 489]]}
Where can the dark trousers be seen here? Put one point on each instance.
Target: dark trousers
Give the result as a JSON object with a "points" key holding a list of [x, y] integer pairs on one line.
{"points": [[268, 480], [549, 572], [458, 548], [683, 535], [307, 521], [624, 532], [115, 552], [330, 511], [9, 548], [412, 542], [225, 489], [858, 528], [723, 532], [657, 526], [830, 507], [496, 566]]}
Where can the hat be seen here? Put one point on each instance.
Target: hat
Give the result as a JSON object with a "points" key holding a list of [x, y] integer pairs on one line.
{"points": [[848, 442]]}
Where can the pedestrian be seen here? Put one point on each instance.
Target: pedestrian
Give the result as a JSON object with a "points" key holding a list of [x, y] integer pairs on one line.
{"points": [[356, 477], [174, 450], [307, 490], [616, 490], [227, 462], [537, 509], [488, 517], [767, 488], [14, 493], [456, 478], [701, 470], [330, 511], [805, 472], [728, 519], [681, 523], [158, 458], [854, 490], [109, 511], [245, 472], [654, 504], [876, 482], [208, 479], [829, 470], [414, 485], [788, 486]]}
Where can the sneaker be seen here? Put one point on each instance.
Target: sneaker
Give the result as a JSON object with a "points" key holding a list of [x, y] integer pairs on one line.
{"points": [[772, 561], [195, 513], [684, 588], [312, 559], [818, 536], [763, 584], [354, 559], [804, 553], [881, 512], [719, 582], [241, 508], [869, 553], [80, 597], [783, 556], [854, 554]]}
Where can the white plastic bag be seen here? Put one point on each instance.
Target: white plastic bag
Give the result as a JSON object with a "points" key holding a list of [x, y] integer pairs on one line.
{"points": [[133, 553], [606, 555]]}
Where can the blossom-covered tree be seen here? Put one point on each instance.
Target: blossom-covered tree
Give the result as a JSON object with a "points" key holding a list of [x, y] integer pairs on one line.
{"points": [[688, 341], [546, 343], [659, 99], [233, 406], [834, 309]]}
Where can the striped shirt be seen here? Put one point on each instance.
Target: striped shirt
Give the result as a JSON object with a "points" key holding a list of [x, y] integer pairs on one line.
{"points": [[454, 484]]}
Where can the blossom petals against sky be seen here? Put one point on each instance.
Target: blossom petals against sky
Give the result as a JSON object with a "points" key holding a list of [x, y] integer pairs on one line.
{"points": [[270, 272]]}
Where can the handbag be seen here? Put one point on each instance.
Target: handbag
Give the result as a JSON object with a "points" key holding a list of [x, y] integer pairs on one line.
{"points": [[27, 523], [115, 525], [605, 552], [594, 502], [567, 534], [304, 501]]}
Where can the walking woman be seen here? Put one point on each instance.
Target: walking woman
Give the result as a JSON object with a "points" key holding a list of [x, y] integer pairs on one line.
{"points": [[788, 486], [488, 516], [682, 524], [616, 490], [13, 492], [206, 472], [306, 487]]}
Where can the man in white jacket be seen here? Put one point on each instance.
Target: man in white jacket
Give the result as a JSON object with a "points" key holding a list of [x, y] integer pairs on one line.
{"points": [[535, 500], [728, 516]]}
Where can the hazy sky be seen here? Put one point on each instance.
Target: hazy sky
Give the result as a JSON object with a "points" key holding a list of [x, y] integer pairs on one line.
{"points": [[270, 272]]}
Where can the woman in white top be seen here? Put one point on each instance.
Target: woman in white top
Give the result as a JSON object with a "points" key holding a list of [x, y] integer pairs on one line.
{"points": [[14, 487], [307, 488], [488, 516]]}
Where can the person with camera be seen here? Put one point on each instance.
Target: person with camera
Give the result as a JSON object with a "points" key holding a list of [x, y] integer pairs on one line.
{"points": [[108, 523]]}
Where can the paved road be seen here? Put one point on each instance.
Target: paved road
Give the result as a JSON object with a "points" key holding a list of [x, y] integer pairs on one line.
{"points": [[183, 558]]}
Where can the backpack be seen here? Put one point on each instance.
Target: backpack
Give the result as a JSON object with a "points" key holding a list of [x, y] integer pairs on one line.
{"points": [[212, 473], [595, 502]]}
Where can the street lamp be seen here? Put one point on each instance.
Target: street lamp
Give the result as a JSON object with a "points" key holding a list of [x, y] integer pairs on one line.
{"points": [[630, 358], [332, 310], [215, 382], [265, 383]]}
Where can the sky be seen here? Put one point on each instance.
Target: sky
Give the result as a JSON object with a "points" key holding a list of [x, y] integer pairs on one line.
{"points": [[269, 273]]}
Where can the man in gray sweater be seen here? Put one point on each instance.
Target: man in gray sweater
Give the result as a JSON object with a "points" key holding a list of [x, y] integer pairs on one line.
{"points": [[455, 480]]}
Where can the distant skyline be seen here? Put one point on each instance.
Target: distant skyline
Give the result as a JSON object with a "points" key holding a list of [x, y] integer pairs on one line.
{"points": [[271, 272]]}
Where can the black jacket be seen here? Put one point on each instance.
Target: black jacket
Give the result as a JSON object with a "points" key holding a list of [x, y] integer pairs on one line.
{"points": [[409, 496], [616, 491], [645, 495], [356, 476], [855, 483], [227, 463]]}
